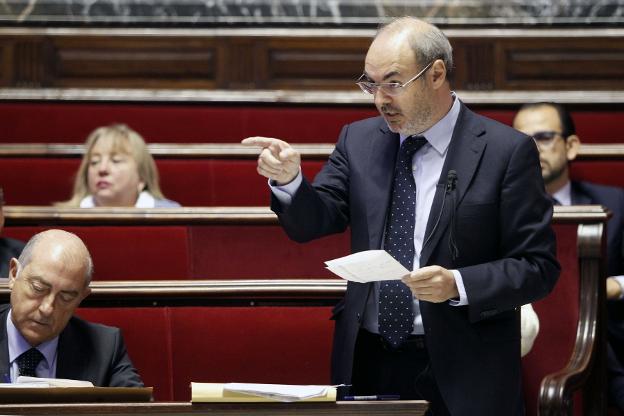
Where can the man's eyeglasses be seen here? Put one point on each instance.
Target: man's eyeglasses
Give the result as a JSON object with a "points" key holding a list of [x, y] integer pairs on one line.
{"points": [[389, 88], [546, 138]]}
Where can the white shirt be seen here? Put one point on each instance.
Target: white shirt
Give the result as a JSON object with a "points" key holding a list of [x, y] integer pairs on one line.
{"points": [[145, 200], [427, 166]]}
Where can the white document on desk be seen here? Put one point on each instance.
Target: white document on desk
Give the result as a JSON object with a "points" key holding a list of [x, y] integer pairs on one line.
{"points": [[367, 266]]}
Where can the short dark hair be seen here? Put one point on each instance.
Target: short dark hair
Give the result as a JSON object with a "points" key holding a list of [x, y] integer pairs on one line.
{"points": [[567, 124], [1, 197]]}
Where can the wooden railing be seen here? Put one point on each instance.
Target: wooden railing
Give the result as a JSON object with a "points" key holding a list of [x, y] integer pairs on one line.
{"points": [[311, 151]]}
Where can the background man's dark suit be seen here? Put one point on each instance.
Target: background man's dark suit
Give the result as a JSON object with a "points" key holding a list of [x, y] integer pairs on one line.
{"points": [[501, 223], [86, 351], [9, 248]]}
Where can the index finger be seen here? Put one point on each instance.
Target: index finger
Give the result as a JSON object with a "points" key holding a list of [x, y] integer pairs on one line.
{"points": [[263, 142]]}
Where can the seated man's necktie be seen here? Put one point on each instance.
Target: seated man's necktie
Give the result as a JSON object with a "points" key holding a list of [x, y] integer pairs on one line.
{"points": [[396, 317], [28, 362]]}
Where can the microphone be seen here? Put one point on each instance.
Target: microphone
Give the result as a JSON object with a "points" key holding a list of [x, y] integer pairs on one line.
{"points": [[451, 184], [451, 181]]}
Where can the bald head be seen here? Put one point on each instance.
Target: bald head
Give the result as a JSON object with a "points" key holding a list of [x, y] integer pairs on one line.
{"points": [[60, 246], [425, 40], [47, 284]]}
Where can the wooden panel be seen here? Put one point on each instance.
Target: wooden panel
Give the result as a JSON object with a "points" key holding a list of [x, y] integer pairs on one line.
{"points": [[134, 62], [529, 59], [308, 63], [560, 63]]}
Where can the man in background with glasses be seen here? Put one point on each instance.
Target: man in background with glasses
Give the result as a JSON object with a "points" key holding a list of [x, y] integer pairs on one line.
{"points": [[554, 132], [457, 199], [9, 247]]}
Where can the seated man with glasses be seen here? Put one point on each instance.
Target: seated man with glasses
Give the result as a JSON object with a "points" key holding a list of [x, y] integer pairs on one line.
{"points": [[553, 130]]}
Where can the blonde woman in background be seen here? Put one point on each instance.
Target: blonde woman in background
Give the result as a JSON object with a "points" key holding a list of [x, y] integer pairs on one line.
{"points": [[117, 170]]}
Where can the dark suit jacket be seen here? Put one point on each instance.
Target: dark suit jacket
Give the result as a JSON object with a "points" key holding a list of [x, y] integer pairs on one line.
{"points": [[9, 248], [585, 193], [86, 351], [506, 250]]}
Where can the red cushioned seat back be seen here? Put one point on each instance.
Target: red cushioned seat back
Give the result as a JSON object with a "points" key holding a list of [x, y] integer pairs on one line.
{"points": [[191, 182], [606, 172], [290, 345], [129, 252], [146, 332], [47, 122], [558, 315]]}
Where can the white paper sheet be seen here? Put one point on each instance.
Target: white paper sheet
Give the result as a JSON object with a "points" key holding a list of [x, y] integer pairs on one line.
{"points": [[281, 392], [367, 266]]}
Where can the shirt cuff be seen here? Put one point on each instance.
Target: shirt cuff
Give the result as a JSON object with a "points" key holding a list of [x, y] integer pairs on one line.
{"points": [[284, 193], [459, 281], [620, 280]]}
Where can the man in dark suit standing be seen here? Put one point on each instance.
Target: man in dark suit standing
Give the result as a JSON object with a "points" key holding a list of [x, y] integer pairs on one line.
{"points": [[553, 130], [9, 247], [461, 204], [39, 336]]}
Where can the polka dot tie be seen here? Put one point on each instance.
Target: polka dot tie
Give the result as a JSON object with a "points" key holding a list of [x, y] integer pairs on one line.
{"points": [[28, 361], [396, 317]]}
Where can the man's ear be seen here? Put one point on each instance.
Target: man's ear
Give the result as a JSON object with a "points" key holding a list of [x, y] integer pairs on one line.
{"points": [[573, 145], [438, 71], [13, 267]]}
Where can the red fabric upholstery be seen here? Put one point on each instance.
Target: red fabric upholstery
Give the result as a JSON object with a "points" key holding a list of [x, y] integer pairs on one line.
{"points": [[37, 181], [261, 252], [172, 346], [147, 335], [62, 122], [289, 345], [191, 182], [558, 314], [129, 253], [51, 122], [219, 182], [605, 172], [201, 252]]}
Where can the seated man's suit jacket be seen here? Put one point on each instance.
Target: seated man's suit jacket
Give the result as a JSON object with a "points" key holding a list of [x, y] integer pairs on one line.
{"points": [[86, 351], [9, 248], [500, 217]]}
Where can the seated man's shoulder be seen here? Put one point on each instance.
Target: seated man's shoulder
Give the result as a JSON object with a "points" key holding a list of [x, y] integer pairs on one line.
{"points": [[11, 246], [87, 328], [598, 190]]}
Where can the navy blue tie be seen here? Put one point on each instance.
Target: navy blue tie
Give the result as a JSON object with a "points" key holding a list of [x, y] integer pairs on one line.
{"points": [[28, 361], [396, 317]]}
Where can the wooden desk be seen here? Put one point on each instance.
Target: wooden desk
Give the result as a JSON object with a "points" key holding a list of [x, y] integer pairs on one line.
{"points": [[381, 408]]}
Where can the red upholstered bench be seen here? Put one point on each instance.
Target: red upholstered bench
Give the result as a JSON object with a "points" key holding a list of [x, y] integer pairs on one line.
{"points": [[48, 121], [172, 346], [191, 182], [142, 244]]}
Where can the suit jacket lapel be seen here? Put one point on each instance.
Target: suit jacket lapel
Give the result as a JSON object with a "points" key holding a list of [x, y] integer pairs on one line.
{"points": [[463, 155], [70, 358], [382, 158], [578, 197]]}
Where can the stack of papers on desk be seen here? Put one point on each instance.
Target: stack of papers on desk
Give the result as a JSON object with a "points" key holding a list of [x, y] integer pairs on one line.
{"points": [[23, 381], [253, 392], [367, 266]]}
